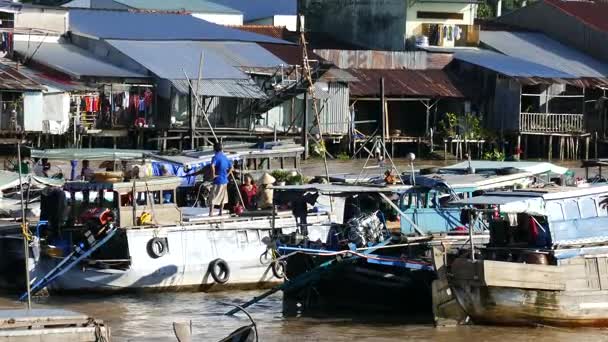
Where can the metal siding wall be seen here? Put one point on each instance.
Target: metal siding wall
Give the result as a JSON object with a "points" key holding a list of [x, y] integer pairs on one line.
{"points": [[506, 106], [335, 113]]}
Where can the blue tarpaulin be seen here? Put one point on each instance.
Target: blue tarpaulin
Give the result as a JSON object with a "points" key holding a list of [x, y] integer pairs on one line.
{"points": [[176, 166]]}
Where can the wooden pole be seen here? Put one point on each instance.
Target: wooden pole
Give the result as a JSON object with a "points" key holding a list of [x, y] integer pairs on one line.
{"points": [[595, 147], [305, 127], [526, 146], [587, 147], [24, 229], [518, 152], [383, 110], [550, 148]]}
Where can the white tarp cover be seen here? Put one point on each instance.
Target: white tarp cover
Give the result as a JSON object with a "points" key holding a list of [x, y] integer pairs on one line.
{"points": [[32, 111], [89, 154], [56, 113], [10, 179], [533, 205], [532, 167]]}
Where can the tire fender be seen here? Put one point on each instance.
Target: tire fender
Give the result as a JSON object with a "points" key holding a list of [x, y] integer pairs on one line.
{"points": [[157, 247], [220, 272]]}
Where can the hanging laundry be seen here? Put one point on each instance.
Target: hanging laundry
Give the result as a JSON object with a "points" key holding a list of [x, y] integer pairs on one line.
{"points": [[125, 100], [148, 95], [141, 105], [96, 104], [88, 104], [457, 32], [450, 33]]}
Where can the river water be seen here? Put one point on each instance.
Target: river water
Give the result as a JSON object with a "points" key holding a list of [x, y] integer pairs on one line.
{"points": [[149, 316]]}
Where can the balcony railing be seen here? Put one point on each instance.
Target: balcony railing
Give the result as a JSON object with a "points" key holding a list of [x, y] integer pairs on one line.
{"points": [[551, 123]]}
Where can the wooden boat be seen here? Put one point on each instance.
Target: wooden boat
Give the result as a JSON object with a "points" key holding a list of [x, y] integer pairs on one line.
{"points": [[50, 325], [555, 276], [133, 236], [400, 276]]}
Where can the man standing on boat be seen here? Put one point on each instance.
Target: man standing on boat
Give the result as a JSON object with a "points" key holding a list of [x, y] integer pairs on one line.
{"points": [[221, 167]]}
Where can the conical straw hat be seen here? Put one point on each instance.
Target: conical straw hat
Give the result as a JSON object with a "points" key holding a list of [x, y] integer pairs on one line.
{"points": [[267, 179]]}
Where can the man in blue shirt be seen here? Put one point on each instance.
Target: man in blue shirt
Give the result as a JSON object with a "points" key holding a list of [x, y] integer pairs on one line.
{"points": [[221, 167]]}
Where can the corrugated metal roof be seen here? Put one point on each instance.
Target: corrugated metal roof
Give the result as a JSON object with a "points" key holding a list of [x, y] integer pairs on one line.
{"points": [[52, 83], [258, 9], [404, 83], [291, 54], [244, 54], [244, 88], [593, 13], [278, 32], [535, 47], [508, 65], [169, 59], [11, 79], [155, 26], [72, 60], [371, 59], [338, 75], [197, 6]]}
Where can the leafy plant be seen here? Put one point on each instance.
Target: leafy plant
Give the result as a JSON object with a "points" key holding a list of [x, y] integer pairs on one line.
{"points": [[296, 179], [343, 156], [484, 11], [494, 155], [447, 126], [472, 127], [280, 175]]}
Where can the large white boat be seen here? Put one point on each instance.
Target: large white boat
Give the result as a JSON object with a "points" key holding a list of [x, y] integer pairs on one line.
{"points": [[132, 235]]}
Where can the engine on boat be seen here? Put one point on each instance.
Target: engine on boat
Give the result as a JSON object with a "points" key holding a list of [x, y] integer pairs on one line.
{"points": [[365, 229]]}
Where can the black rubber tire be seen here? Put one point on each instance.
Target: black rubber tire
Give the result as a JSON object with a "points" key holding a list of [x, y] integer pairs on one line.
{"points": [[279, 269], [429, 170], [157, 247], [507, 171], [220, 272]]}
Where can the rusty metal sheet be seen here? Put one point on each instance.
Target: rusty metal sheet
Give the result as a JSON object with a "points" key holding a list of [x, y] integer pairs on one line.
{"points": [[12, 79], [370, 59], [405, 83]]}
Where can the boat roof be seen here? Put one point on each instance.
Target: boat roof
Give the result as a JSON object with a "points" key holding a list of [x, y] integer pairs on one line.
{"points": [[476, 181], [9, 179], [525, 166], [343, 188], [146, 184], [532, 195], [201, 158], [89, 154]]}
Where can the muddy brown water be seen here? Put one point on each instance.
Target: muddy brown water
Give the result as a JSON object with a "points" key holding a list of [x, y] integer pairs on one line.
{"points": [[149, 316]]}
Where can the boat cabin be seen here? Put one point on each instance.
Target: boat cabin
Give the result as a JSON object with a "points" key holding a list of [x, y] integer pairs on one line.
{"points": [[128, 200], [426, 203], [551, 221]]}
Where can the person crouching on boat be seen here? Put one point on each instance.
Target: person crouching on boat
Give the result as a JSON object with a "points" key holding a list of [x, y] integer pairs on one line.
{"points": [[221, 168], [249, 191]]}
